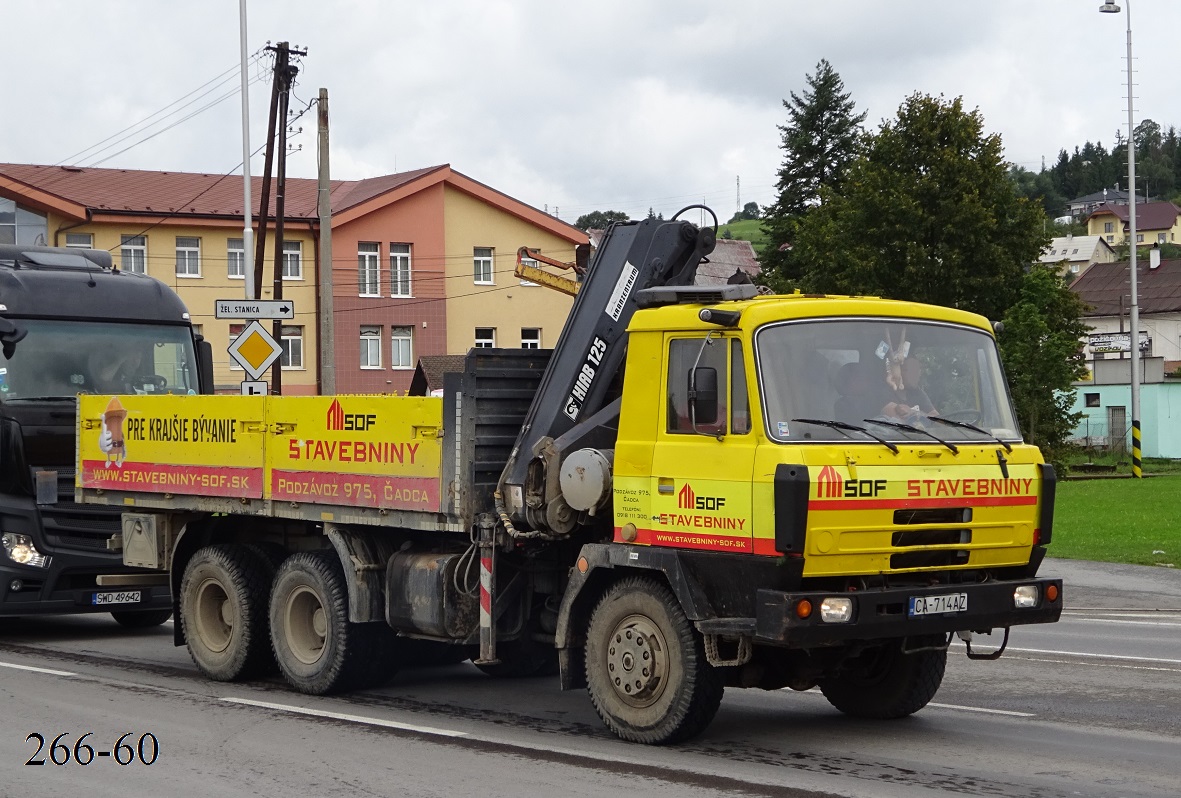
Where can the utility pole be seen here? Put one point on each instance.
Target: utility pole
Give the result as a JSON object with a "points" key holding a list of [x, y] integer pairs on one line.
{"points": [[327, 335], [285, 73], [267, 161], [247, 224]]}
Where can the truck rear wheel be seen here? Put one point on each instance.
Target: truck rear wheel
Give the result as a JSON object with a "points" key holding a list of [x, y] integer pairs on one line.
{"points": [[223, 601], [646, 670], [886, 683], [318, 649]]}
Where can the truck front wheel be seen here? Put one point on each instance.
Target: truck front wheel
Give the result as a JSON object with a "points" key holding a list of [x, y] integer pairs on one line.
{"points": [[318, 649], [646, 670], [223, 603], [886, 683]]}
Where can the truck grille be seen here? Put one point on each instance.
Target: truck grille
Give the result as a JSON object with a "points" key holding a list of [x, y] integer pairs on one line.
{"points": [[78, 526]]}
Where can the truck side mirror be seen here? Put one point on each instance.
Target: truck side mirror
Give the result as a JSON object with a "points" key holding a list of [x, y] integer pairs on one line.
{"points": [[10, 335], [703, 396], [205, 365]]}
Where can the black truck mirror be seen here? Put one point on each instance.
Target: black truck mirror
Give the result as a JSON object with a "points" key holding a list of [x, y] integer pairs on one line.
{"points": [[703, 396], [10, 335]]}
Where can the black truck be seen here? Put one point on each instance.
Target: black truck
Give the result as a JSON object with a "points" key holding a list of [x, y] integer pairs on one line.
{"points": [[71, 323]]}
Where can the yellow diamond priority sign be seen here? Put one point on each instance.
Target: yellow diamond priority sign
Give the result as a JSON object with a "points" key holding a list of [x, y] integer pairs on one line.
{"points": [[255, 350]]}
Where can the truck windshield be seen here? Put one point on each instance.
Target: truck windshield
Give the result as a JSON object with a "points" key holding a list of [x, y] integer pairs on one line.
{"points": [[903, 372], [58, 359]]}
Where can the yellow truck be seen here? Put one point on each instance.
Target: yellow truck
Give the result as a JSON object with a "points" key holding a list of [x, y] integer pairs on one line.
{"points": [[699, 487]]}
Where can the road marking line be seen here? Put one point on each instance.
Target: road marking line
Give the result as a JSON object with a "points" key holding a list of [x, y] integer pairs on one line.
{"points": [[50, 671], [1123, 622], [1105, 665], [320, 713], [982, 709], [1095, 656]]}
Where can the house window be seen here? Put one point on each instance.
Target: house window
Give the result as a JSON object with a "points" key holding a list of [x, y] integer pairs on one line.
{"points": [[235, 331], [370, 347], [402, 349], [400, 270], [368, 269], [531, 338], [80, 240], [292, 260], [485, 337], [1074, 251], [20, 225], [134, 253], [1160, 238], [292, 343], [1139, 238], [482, 265], [1109, 227], [1110, 239], [235, 259], [1092, 399], [1074, 268], [188, 257]]}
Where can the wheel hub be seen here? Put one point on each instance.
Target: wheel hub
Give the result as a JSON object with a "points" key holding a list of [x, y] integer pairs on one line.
{"points": [[306, 625], [637, 661], [214, 617]]}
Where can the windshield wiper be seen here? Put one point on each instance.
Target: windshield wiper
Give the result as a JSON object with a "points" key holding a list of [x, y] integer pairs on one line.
{"points": [[842, 426], [38, 398], [910, 428], [973, 427]]}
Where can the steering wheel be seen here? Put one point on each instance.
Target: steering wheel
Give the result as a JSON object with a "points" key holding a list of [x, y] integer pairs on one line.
{"points": [[965, 416], [157, 382]]}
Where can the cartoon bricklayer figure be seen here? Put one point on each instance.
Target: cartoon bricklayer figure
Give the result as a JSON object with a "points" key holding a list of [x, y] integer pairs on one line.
{"points": [[110, 440]]}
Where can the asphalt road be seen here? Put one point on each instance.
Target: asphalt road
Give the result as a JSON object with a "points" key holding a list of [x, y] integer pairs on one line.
{"points": [[1088, 707]]}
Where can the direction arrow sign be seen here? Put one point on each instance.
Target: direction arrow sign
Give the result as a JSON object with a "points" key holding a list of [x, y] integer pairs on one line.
{"points": [[253, 309], [255, 350]]}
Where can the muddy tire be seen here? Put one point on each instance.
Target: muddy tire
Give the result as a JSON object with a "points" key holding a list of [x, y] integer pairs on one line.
{"points": [[646, 670], [223, 610], [141, 619], [885, 683], [318, 649]]}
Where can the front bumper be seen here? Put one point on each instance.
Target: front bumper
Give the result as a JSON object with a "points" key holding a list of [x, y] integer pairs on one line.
{"points": [[882, 614], [57, 590]]}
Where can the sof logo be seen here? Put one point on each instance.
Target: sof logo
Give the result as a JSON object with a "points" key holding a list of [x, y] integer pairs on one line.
{"points": [[829, 485], [338, 420], [689, 500]]}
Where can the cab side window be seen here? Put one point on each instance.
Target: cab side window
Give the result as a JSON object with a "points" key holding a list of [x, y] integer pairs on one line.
{"points": [[682, 357], [739, 404]]}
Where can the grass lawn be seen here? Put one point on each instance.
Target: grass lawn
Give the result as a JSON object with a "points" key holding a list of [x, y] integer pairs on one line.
{"points": [[1118, 520], [747, 230]]}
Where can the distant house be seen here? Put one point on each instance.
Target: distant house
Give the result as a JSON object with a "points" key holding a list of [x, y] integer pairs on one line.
{"points": [[1076, 253], [1105, 399], [1081, 207], [1156, 223]]}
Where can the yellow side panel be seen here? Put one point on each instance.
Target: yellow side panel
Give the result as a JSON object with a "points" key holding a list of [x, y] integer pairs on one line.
{"points": [[361, 451], [188, 445]]}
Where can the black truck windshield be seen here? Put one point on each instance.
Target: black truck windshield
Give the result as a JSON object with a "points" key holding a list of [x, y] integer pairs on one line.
{"points": [[58, 359], [904, 373]]}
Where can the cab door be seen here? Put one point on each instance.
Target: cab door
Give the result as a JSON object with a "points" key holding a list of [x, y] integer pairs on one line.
{"points": [[702, 462]]}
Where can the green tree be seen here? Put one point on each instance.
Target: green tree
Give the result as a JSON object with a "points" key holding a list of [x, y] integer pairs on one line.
{"points": [[749, 211], [926, 213], [819, 141], [1042, 353], [600, 220]]}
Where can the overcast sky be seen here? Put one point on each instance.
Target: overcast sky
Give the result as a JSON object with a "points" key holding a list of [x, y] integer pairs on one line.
{"points": [[574, 106]]}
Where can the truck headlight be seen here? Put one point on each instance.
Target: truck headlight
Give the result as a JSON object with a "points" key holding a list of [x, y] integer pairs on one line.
{"points": [[836, 609], [1025, 596], [20, 550]]}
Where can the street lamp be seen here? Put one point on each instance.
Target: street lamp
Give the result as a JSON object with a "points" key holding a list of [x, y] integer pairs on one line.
{"points": [[1110, 7]]}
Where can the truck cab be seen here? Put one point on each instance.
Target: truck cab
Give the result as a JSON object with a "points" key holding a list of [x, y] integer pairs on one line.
{"points": [[70, 324]]}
